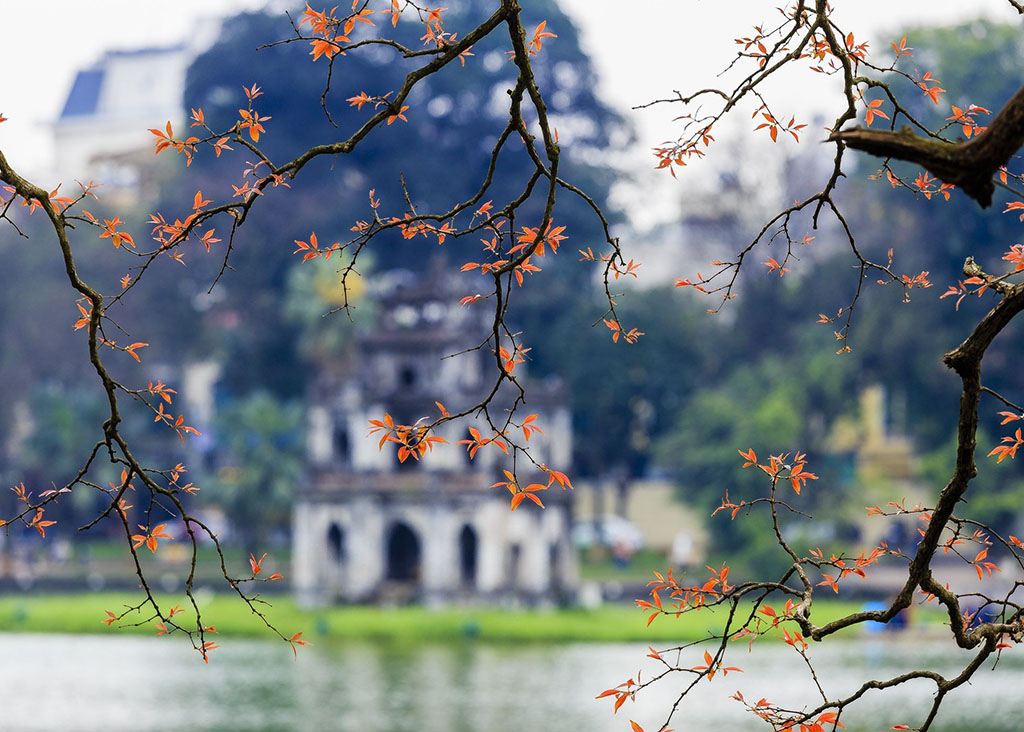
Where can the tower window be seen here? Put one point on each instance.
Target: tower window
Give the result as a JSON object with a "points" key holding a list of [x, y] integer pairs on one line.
{"points": [[342, 448]]}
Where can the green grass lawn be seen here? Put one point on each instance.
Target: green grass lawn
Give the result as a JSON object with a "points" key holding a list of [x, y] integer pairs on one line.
{"points": [[600, 567], [83, 613]]}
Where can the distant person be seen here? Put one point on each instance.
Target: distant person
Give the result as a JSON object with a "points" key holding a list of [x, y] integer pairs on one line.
{"points": [[621, 554], [681, 554]]}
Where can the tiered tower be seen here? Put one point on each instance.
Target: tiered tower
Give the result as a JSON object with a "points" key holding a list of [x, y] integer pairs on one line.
{"points": [[369, 528]]}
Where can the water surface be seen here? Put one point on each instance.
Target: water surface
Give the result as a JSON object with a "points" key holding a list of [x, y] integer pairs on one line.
{"points": [[108, 684]]}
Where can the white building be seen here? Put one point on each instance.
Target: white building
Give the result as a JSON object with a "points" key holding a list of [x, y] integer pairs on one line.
{"points": [[102, 131]]}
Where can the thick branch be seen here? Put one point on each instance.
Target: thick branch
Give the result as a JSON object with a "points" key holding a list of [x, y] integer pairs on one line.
{"points": [[968, 165]]}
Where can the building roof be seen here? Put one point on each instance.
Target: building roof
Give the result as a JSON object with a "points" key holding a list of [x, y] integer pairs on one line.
{"points": [[146, 51], [83, 99], [85, 96]]}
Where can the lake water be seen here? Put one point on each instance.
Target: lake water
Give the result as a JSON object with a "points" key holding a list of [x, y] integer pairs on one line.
{"points": [[54, 682]]}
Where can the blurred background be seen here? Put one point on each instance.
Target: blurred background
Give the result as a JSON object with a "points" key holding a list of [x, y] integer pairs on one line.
{"points": [[648, 432]]}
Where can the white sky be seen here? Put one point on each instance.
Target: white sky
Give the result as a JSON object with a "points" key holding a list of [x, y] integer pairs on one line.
{"points": [[643, 49]]}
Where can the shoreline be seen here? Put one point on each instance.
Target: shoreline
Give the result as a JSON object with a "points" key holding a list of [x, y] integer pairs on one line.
{"points": [[80, 613]]}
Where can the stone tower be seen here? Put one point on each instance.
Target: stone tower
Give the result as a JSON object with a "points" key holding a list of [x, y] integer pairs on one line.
{"points": [[370, 529]]}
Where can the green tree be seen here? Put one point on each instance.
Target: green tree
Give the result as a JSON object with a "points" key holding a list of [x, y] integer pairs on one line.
{"points": [[260, 449]]}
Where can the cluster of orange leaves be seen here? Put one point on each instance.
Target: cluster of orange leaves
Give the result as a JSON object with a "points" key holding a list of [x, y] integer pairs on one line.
{"points": [[409, 226], [326, 24], [539, 34], [165, 139], [118, 488], [857, 568], [1015, 257], [728, 505], [773, 125], [312, 250], [874, 111], [820, 50], [167, 235], [622, 692], [189, 488], [981, 566], [199, 120], [929, 186], [527, 239], [85, 310], [435, 33], [363, 98], [37, 521], [175, 423], [529, 428], [683, 597], [629, 336], [824, 722], [709, 668], [777, 468], [509, 361], [767, 618], [966, 119], [189, 146], [162, 627], [773, 266], [110, 232], [61, 203], [413, 440], [930, 87], [618, 270], [149, 538], [476, 440], [1010, 443], [1013, 205], [760, 52], [250, 119], [919, 280], [520, 492], [130, 349], [960, 290], [625, 691], [257, 567], [698, 285], [422, 228], [677, 155]]}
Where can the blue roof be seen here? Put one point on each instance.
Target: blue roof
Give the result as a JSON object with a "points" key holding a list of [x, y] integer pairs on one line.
{"points": [[146, 51], [84, 96]]}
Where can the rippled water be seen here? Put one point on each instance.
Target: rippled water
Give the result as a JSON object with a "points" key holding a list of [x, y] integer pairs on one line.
{"points": [[54, 682]]}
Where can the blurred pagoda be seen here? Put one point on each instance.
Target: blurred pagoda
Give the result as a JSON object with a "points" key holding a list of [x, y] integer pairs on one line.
{"points": [[370, 528]]}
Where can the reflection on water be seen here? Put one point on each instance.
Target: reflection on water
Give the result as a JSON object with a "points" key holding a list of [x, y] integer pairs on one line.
{"points": [[53, 682]]}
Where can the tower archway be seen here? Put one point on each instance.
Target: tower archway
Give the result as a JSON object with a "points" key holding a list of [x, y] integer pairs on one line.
{"points": [[468, 550], [404, 554], [336, 543]]}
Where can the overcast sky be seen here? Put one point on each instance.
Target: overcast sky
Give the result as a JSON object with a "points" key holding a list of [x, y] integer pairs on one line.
{"points": [[642, 49]]}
